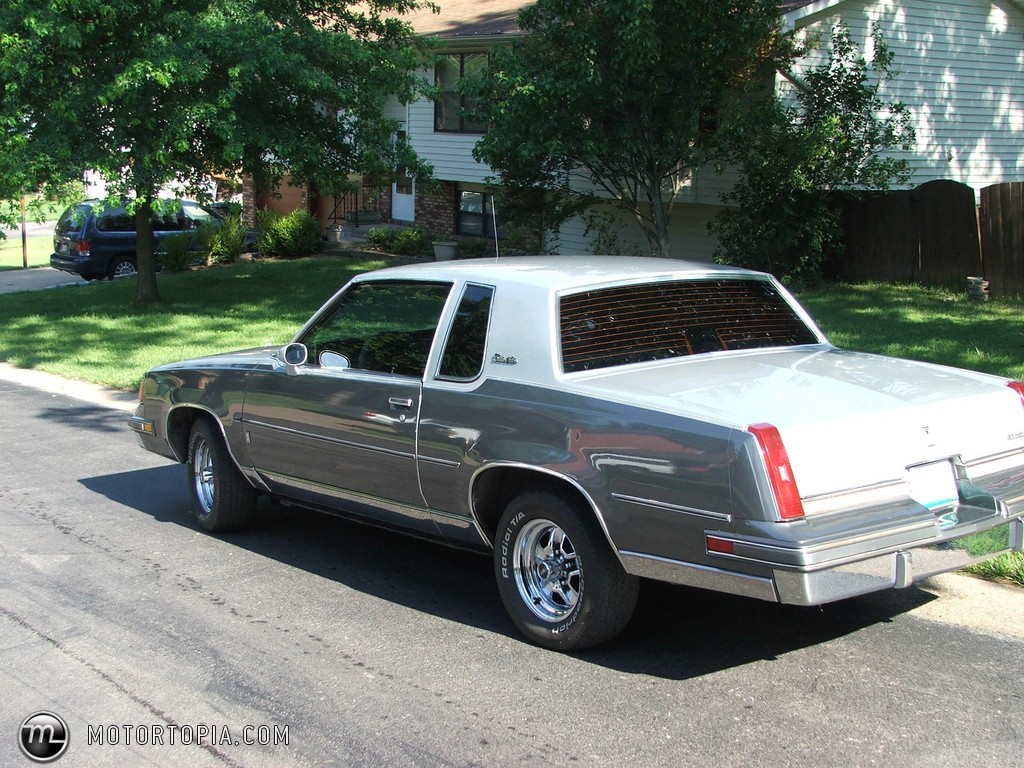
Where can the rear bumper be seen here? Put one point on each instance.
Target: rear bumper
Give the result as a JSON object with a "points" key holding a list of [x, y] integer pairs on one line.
{"points": [[806, 575], [77, 265], [899, 569], [831, 557]]}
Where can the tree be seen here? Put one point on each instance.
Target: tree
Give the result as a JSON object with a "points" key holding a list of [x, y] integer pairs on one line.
{"points": [[149, 93], [793, 158], [619, 99]]}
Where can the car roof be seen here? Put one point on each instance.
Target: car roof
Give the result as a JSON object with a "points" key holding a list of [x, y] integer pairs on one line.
{"points": [[559, 273]]}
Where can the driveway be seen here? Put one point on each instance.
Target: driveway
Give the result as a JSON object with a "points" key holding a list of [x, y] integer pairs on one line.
{"points": [[36, 279]]}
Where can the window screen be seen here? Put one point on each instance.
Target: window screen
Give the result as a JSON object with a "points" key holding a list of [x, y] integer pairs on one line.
{"points": [[655, 321]]}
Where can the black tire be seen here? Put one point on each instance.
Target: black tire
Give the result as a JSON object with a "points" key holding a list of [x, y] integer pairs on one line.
{"points": [[92, 276], [222, 499], [121, 266], [560, 582]]}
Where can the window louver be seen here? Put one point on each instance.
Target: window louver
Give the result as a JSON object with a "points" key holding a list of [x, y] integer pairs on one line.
{"points": [[655, 321]]}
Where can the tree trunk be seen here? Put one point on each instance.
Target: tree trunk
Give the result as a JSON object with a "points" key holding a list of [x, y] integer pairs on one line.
{"points": [[659, 214], [145, 260]]}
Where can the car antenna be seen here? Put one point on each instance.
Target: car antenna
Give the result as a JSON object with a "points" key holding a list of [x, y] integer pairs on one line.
{"points": [[494, 224]]}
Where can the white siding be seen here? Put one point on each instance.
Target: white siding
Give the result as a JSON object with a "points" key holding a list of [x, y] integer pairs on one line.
{"points": [[961, 73], [451, 154], [688, 232]]}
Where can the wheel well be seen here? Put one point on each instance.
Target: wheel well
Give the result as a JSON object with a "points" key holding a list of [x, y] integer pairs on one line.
{"points": [[495, 488], [179, 427]]}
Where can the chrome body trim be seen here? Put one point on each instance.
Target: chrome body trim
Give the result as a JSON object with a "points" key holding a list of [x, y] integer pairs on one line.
{"points": [[700, 576], [720, 516]]}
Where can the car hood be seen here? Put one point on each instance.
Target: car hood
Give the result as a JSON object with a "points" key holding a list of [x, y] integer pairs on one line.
{"points": [[847, 419], [242, 359]]}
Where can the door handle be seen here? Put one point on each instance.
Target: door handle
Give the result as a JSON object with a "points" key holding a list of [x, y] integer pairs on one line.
{"points": [[400, 403]]}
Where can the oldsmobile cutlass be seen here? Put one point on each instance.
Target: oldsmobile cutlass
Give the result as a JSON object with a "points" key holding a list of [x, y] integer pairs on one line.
{"points": [[590, 421]]}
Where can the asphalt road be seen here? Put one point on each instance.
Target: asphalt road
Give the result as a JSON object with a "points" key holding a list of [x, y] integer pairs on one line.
{"points": [[366, 648]]}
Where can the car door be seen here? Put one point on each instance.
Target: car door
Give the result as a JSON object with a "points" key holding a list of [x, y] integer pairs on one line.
{"points": [[340, 430]]}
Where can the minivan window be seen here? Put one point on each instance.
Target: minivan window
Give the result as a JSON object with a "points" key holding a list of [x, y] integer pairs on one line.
{"points": [[73, 218]]}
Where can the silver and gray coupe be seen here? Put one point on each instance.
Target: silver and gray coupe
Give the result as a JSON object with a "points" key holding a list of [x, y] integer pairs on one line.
{"points": [[593, 420]]}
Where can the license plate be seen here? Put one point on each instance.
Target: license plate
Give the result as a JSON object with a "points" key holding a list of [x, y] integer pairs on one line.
{"points": [[933, 485]]}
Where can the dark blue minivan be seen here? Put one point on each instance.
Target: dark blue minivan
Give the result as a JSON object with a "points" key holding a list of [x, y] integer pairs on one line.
{"points": [[97, 240]]}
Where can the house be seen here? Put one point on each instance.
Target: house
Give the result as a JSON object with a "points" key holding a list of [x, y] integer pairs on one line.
{"points": [[961, 72]]}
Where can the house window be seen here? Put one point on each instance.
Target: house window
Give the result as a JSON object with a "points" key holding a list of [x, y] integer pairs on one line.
{"points": [[476, 214], [452, 105]]}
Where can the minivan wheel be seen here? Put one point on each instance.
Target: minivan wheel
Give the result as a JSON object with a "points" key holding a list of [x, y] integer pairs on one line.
{"points": [[122, 266]]}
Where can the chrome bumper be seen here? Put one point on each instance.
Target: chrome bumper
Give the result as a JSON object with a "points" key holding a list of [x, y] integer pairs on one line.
{"points": [[897, 569]]}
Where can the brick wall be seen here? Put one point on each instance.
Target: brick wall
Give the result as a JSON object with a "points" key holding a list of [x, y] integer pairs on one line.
{"points": [[436, 210]]}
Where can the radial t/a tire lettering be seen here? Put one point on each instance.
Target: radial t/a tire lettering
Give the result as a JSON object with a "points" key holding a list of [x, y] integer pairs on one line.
{"points": [[222, 499], [558, 577]]}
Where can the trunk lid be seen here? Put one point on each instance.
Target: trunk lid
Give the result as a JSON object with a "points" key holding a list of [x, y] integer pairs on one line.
{"points": [[847, 419]]}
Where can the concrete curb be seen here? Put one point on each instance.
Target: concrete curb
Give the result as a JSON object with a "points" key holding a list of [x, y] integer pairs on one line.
{"points": [[80, 390]]}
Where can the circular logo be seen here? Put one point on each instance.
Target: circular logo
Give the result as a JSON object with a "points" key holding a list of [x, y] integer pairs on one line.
{"points": [[43, 737]]}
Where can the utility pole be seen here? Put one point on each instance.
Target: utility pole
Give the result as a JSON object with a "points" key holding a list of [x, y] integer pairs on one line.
{"points": [[24, 236]]}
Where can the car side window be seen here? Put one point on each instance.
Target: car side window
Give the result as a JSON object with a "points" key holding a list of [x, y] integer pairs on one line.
{"points": [[463, 357], [115, 220], [384, 326]]}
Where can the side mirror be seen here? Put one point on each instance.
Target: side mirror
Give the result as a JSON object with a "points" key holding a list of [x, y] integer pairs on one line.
{"points": [[293, 355]]}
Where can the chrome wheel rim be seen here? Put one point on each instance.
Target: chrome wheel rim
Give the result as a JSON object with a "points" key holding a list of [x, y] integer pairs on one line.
{"points": [[202, 474], [125, 269], [547, 570]]}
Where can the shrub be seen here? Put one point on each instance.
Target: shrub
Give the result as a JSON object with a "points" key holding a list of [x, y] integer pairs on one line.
{"points": [[177, 251], [381, 237], [225, 243], [403, 242], [289, 236]]}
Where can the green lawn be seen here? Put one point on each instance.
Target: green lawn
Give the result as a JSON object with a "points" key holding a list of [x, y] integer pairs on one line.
{"points": [[92, 331], [39, 248]]}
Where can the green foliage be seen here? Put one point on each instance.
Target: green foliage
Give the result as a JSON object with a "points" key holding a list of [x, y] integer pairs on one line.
{"points": [[287, 236], [147, 93], [404, 242], [178, 251], [619, 99], [225, 243], [794, 158]]}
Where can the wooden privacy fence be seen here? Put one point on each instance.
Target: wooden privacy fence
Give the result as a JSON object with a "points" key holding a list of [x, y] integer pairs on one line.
{"points": [[937, 234], [1001, 216], [926, 235]]}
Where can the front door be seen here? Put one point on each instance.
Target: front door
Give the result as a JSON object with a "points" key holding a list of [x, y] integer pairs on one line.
{"points": [[341, 429], [403, 193]]}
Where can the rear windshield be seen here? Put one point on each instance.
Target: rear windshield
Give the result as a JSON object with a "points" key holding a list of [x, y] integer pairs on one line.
{"points": [[656, 321], [73, 218]]}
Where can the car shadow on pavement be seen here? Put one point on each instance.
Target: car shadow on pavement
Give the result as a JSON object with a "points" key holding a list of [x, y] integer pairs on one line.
{"points": [[676, 633]]}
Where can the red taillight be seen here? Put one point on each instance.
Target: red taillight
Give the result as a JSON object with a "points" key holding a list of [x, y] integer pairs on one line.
{"points": [[1018, 387], [83, 247], [722, 546], [780, 473]]}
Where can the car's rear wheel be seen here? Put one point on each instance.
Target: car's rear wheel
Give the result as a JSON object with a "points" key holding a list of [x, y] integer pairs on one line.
{"points": [[122, 266], [222, 499], [560, 582]]}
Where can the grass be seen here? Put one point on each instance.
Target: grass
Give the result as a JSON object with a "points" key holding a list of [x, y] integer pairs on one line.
{"points": [[92, 332], [39, 248]]}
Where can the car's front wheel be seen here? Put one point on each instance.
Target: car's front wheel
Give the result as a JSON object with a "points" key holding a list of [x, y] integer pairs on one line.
{"points": [[222, 499], [558, 577]]}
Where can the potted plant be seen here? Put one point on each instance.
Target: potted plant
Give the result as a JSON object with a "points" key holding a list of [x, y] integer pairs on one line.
{"points": [[444, 250]]}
